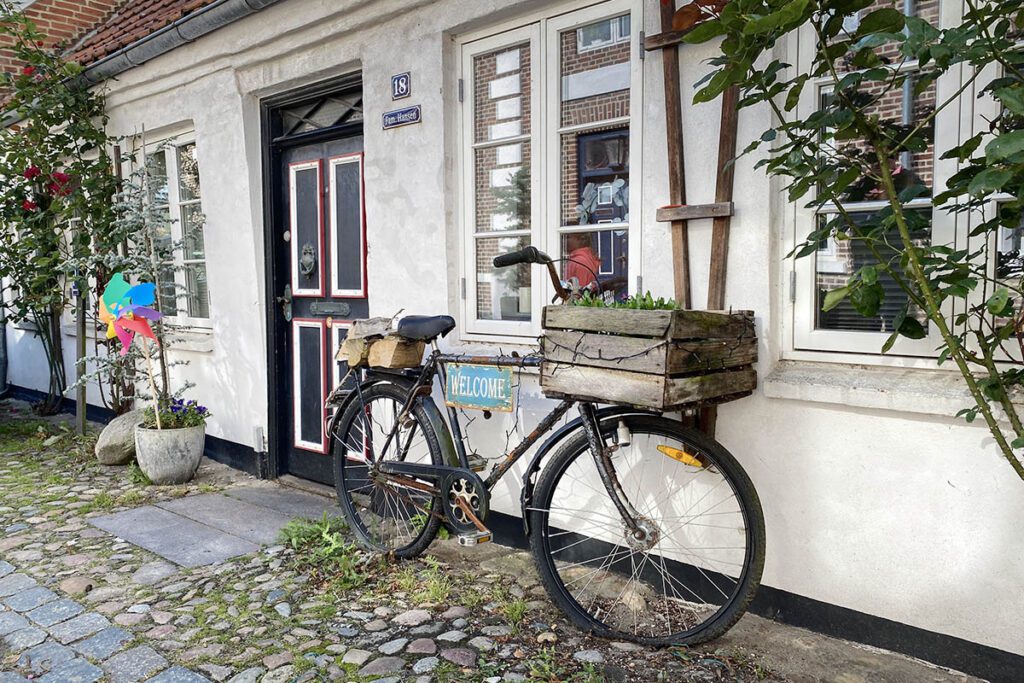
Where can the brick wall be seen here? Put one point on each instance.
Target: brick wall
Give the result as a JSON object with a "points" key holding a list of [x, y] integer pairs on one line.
{"points": [[63, 22]]}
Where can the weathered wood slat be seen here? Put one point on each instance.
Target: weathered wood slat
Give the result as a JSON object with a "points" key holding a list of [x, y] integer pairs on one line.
{"points": [[676, 161], [641, 354], [610, 320], [641, 389], [690, 212], [675, 324], [665, 39], [711, 324]]}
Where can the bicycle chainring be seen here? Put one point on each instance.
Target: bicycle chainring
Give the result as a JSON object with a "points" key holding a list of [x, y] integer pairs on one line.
{"points": [[464, 485]]}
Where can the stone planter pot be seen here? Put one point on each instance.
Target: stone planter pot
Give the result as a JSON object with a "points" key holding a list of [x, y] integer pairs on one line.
{"points": [[169, 456]]}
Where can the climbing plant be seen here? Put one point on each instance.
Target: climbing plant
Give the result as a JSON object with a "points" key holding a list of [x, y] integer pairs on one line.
{"points": [[852, 147], [55, 209]]}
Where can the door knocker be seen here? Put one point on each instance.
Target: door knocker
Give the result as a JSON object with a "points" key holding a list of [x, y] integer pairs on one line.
{"points": [[307, 263]]}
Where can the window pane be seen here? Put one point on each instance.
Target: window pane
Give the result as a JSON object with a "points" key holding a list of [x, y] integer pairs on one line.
{"points": [[595, 83], [156, 170], [168, 291], [501, 97], [198, 295], [837, 259], [502, 293], [503, 187], [192, 221], [598, 259], [595, 177], [188, 173], [595, 35], [163, 241]]}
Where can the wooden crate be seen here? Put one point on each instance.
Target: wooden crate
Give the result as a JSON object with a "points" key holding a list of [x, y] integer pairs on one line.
{"points": [[652, 359]]}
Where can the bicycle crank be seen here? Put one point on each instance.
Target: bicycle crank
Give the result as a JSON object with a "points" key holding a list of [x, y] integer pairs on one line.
{"points": [[465, 500]]}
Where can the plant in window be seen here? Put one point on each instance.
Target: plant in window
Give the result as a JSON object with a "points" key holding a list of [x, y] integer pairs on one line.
{"points": [[56, 173], [852, 146]]}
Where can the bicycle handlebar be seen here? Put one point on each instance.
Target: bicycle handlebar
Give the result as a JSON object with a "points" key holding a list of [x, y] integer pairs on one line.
{"points": [[524, 255]]}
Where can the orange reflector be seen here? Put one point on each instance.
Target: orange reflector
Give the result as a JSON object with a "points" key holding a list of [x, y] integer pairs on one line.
{"points": [[681, 456]]}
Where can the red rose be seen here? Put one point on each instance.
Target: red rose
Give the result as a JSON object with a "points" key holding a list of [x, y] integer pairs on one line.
{"points": [[29, 205], [32, 172], [61, 184], [28, 70]]}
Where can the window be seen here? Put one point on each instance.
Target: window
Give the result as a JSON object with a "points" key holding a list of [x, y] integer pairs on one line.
{"points": [[602, 34], [548, 139], [840, 256], [175, 185]]}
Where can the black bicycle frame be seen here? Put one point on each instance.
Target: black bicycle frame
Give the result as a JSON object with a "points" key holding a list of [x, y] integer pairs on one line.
{"points": [[435, 365]]}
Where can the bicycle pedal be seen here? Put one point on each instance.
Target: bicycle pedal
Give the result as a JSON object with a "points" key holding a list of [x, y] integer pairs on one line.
{"points": [[475, 538], [477, 462]]}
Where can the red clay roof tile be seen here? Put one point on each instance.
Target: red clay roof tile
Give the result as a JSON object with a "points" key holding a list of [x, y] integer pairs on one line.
{"points": [[135, 20]]}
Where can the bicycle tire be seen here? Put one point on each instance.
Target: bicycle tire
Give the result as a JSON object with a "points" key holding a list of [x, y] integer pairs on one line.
{"points": [[347, 470], [714, 456]]}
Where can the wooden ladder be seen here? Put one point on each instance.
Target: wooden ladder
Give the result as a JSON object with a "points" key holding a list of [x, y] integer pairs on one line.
{"points": [[678, 213]]}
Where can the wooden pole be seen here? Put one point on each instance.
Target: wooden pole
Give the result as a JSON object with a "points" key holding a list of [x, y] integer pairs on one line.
{"points": [[721, 224], [80, 395], [676, 172], [152, 382], [723, 193]]}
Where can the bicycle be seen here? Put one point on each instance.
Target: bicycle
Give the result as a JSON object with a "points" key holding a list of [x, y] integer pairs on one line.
{"points": [[632, 531]]}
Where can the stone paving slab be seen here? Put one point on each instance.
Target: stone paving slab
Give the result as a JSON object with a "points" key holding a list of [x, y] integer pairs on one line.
{"points": [[103, 644], [30, 599], [54, 612], [255, 523], [79, 627], [178, 539], [134, 665], [288, 502], [73, 671]]}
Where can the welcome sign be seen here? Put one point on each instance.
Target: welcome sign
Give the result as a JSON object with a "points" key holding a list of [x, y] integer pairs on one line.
{"points": [[480, 387]]}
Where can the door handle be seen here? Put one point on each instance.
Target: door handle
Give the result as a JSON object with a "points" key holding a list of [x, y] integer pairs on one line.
{"points": [[286, 303]]}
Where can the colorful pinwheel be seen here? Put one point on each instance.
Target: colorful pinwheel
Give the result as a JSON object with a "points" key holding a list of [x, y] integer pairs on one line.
{"points": [[125, 310]]}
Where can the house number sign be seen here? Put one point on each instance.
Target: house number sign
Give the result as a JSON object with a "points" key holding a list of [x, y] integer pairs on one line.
{"points": [[401, 86]]}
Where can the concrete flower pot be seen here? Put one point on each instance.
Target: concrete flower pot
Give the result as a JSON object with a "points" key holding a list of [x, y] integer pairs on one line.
{"points": [[169, 456]]}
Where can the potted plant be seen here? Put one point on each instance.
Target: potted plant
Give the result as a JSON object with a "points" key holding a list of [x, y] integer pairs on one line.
{"points": [[169, 442]]}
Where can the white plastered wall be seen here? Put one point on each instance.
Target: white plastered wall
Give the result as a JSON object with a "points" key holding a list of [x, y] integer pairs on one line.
{"points": [[905, 516]]}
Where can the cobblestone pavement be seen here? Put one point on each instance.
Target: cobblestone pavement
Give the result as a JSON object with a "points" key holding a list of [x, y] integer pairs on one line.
{"points": [[78, 604]]}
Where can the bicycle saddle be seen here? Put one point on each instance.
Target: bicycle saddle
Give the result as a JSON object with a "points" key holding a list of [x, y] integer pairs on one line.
{"points": [[425, 327]]}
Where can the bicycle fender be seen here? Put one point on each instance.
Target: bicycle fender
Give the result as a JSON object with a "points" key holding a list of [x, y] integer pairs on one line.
{"points": [[530, 476], [433, 413]]}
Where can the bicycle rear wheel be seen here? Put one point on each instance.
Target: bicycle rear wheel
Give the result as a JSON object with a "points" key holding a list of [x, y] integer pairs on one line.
{"points": [[384, 516], [699, 562]]}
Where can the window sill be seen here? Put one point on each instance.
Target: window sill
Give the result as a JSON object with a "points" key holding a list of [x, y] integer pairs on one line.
{"points": [[908, 390], [194, 340]]}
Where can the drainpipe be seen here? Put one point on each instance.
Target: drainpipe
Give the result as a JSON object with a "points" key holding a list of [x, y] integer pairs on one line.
{"points": [[3, 349], [908, 95]]}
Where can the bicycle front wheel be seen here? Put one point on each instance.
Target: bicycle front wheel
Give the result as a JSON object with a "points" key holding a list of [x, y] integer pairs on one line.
{"points": [[385, 515], [694, 568]]}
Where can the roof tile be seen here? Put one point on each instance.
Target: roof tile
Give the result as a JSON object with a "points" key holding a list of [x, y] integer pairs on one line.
{"points": [[134, 21]]}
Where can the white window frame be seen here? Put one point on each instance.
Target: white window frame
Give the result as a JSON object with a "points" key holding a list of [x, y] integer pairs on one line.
{"points": [[170, 143], [804, 341], [541, 31]]}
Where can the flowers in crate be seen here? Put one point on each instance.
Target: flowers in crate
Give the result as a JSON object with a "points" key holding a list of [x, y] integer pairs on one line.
{"points": [[176, 414]]}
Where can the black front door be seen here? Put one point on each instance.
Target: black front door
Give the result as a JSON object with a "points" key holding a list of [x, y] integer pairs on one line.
{"points": [[319, 268]]}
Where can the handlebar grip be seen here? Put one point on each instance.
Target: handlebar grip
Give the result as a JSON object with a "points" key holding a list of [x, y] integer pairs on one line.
{"points": [[525, 255]]}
